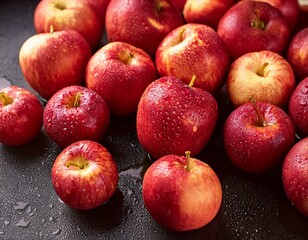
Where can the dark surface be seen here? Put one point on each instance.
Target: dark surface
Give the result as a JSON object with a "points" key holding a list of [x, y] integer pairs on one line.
{"points": [[253, 207]]}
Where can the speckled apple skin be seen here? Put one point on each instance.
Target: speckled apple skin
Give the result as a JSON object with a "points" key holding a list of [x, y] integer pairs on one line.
{"points": [[295, 175], [91, 186], [120, 83], [51, 61], [179, 199], [256, 149], [21, 120], [140, 23], [240, 37], [194, 49], [173, 118], [88, 121], [298, 108]]}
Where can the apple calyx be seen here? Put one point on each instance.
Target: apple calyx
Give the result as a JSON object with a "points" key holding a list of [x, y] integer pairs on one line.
{"points": [[260, 120], [261, 71], [79, 163], [258, 23], [126, 58], [5, 99], [192, 81], [189, 164]]}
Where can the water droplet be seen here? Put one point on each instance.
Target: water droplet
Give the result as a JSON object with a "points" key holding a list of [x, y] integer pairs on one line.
{"points": [[21, 205], [4, 82], [56, 232], [23, 223]]}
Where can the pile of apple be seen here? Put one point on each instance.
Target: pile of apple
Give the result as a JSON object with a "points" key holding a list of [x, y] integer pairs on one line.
{"points": [[165, 61]]}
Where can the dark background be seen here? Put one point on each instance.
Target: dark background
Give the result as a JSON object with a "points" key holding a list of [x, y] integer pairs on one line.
{"points": [[253, 207]]}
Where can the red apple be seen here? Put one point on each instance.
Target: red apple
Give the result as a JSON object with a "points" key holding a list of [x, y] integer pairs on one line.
{"points": [[52, 61], [84, 175], [80, 15], [76, 113], [207, 12], [120, 73], [194, 49], [21, 116], [141, 23], [297, 54], [179, 4], [181, 193], [264, 75], [257, 136], [250, 26], [173, 117], [295, 175], [298, 108]]}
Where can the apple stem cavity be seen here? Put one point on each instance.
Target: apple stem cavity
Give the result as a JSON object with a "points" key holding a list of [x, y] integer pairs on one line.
{"points": [[160, 6], [258, 23], [5, 99], [189, 164], [260, 121], [261, 72], [80, 163], [60, 5], [192, 81]]}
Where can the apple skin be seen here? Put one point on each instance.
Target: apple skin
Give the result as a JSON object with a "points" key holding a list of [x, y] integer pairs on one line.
{"points": [[250, 146], [173, 117], [51, 61], [194, 49], [178, 198], [298, 108], [241, 28], [295, 175], [179, 4], [21, 116], [207, 12], [297, 54], [82, 16], [66, 123], [142, 24], [120, 73], [84, 175], [274, 84]]}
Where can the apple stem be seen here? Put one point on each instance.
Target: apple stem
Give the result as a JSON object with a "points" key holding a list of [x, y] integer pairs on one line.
{"points": [[258, 23], [189, 162], [192, 81], [181, 33], [261, 120], [51, 29], [80, 163], [77, 99], [261, 72], [5, 99]]}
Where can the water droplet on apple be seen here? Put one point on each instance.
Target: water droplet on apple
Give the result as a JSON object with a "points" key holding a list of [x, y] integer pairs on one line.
{"points": [[4, 82]]}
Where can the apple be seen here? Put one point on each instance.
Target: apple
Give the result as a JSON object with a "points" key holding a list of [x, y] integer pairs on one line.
{"points": [[179, 4], [298, 108], [82, 16], [76, 113], [181, 193], [51, 61], [120, 73], [257, 136], [173, 117], [194, 49], [84, 175], [264, 75], [250, 26], [295, 175], [297, 54], [21, 116], [207, 12], [141, 23]]}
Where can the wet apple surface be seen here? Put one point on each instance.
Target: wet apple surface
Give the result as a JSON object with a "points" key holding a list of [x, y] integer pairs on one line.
{"points": [[253, 206]]}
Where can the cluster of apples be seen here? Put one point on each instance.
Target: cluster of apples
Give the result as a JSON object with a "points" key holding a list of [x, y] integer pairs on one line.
{"points": [[165, 61]]}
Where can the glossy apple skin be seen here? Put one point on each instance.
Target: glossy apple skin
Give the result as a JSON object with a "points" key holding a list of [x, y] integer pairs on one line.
{"points": [[179, 199], [298, 108], [194, 49], [120, 73], [275, 86], [20, 120], [207, 12], [173, 117], [240, 37], [253, 148], [65, 123], [83, 16], [88, 187], [51, 61], [297, 54], [141, 23], [295, 175]]}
